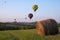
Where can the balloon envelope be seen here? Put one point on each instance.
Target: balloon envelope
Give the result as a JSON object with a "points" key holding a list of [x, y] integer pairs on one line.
{"points": [[5, 1], [35, 7], [30, 15], [25, 17]]}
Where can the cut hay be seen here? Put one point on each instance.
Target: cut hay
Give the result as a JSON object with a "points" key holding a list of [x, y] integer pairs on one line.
{"points": [[47, 27]]}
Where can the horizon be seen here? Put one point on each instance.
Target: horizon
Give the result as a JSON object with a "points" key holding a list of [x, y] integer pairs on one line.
{"points": [[19, 9]]}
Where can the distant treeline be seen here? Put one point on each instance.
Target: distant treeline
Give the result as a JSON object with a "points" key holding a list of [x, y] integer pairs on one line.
{"points": [[16, 26], [59, 24]]}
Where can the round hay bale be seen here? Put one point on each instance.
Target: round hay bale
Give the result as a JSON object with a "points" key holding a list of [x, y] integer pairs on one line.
{"points": [[40, 29], [47, 27]]}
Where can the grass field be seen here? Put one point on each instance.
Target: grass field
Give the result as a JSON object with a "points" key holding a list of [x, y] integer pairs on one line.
{"points": [[26, 35]]}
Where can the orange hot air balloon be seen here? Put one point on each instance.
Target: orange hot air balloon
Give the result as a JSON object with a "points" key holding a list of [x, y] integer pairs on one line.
{"points": [[30, 15]]}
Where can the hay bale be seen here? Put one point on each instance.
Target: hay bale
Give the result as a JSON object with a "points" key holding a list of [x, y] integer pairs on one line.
{"points": [[47, 27]]}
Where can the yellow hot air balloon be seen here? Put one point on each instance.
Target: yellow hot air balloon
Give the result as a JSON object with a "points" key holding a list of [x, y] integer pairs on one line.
{"points": [[35, 7]]}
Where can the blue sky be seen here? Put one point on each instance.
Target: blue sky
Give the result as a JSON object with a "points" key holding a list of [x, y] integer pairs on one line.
{"points": [[19, 9]]}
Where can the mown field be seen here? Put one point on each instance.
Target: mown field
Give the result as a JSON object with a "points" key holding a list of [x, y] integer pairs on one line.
{"points": [[26, 35]]}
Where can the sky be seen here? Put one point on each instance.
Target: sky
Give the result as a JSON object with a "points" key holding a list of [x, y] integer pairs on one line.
{"points": [[19, 10]]}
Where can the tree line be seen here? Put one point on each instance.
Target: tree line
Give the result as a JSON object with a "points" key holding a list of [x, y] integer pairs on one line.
{"points": [[16, 26]]}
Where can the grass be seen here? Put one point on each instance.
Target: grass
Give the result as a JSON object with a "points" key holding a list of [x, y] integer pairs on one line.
{"points": [[26, 35]]}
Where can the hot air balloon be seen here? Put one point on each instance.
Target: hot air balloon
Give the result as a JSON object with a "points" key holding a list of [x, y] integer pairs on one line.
{"points": [[4, 1], [30, 15], [35, 7], [25, 17]]}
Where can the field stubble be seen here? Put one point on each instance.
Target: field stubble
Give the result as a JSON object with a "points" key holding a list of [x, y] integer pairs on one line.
{"points": [[26, 35]]}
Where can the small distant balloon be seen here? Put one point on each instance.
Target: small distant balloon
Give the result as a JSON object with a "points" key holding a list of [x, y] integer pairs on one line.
{"points": [[30, 15], [25, 17], [15, 19], [5, 1], [35, 7]]}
